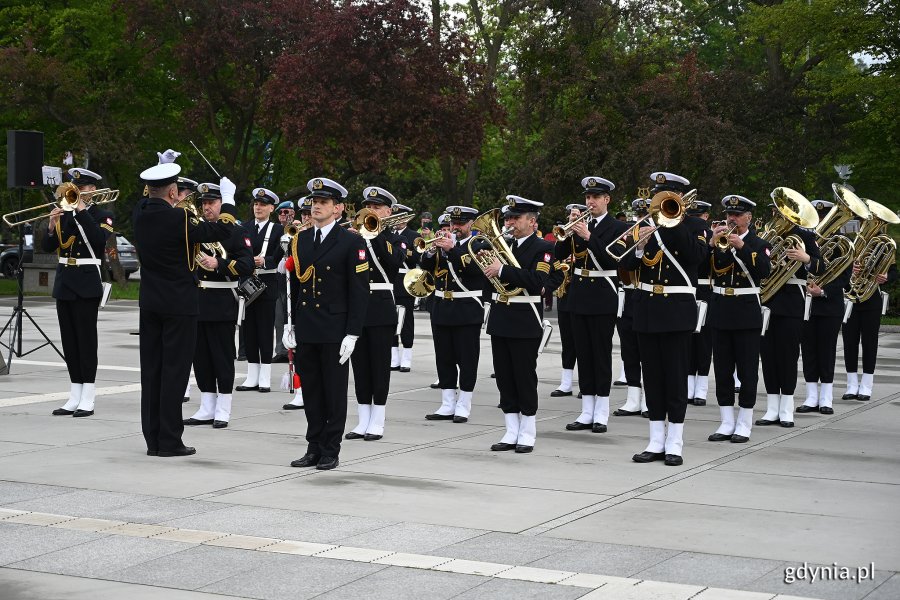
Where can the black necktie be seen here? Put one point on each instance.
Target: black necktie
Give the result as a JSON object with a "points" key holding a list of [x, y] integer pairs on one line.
{"points": [[318, 239], [515, 244], [592, 225]]}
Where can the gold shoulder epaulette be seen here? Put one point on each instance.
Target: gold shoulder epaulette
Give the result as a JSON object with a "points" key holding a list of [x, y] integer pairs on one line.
{"points": [[227, 218]]}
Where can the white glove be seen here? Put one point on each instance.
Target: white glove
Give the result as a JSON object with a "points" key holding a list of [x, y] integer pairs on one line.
{"points": [[280, 268], [287, 338], [227, 187], [168, 156], [347, 346]]}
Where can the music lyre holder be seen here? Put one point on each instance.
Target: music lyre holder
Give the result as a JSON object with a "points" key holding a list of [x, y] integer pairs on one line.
{"points": [[15, 339]]}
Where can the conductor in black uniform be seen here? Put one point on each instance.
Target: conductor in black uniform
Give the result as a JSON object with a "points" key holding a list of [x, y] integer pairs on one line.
{"points": [[516, 325], [169, 303], [665, 316], [259, 320], [218, 276], [372, 359], [79, 239], [331, 280], [738, 263], [401, 353]]}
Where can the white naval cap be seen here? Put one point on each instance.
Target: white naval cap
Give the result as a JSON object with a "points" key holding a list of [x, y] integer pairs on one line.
{"points": [[519, 205], [321, 187], [576, 206], [822, 204], [737, 204], [83, 176], [161, 175], [461, 214], [597, 185], [443, 219], [379, 195], [261, 194], [209, 191], [669, 181], [401, 208]]}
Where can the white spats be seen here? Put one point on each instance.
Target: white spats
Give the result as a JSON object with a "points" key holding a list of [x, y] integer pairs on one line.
{"points": [[376, 421], [298, 398], [406, 358], [252, 379], [701, 387], [865, 384], [587, 410], [853, 383], [223, 407], [527, 430], [448, 402], [826, 395], [74, 397], [772, 406], [786, 409], [632, 399], [601, 409], [744, 422], [643, 401], [726, 414], [692, 382], [207, 408], [565, 380], [657, 437], [812, 394], [674, 438], [512, 428], [364, 411], [88, 393], [395, 357], [463, 404], [265, 376]]}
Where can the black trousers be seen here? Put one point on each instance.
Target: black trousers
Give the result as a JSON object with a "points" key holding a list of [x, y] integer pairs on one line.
{"points": [[408, 330], [515, 364], [819, 347], [567, 339], [167, 345], [780, 353], [324, 395], [259, 324], [214, 356], [861, 326], [372, 364], [457, 345], [78, 331], [701, 352], [736, 349], [665, 358], [593, 342], [631, 356]]}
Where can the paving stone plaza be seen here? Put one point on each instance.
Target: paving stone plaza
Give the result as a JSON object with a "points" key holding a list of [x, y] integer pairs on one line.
{"points": [[429, 511]]}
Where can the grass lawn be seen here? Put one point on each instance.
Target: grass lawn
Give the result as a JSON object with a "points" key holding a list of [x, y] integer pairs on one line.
{"points": [[128, 291]]}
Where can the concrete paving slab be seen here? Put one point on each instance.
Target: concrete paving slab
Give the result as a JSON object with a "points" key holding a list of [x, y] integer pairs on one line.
{"points": [[80, 503], [506, 548], [880, 419], [411, 537], [59, 431], [299, 548], [41, 519], [591, 581], [397, 582], [417, 561], [645, 590], [535, 575], [16, 491], [21, 542], [88, 524], [731, 572], [725, 594], [242, 542], [520, 590], [156, 510], [7, 448], [602, 558], [777, 581], [887, 590]]}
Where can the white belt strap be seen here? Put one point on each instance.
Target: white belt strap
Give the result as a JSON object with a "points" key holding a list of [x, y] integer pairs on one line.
{"points": [[381, 287], [403, 270], [728, 291], [796, 281], [588, 273], [669, 289], [704, 282], [79, 262], [746, 271], [475, 295], [600, 272], [387, 282], [451, 295], [219, 285], [517, 299], [265, 271]]}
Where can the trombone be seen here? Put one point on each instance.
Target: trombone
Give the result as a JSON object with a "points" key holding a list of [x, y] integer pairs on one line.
{"points": [[667, 209], [562, 232], [369, 225], [67, 196]]}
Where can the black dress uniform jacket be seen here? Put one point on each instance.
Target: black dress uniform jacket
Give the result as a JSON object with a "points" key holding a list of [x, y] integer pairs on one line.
{"points": [[832, 303], [382, 310], [219, 304], [790, 300], [273, 256], [742, 311], [165, 239], [517, 320], [78, 281], [406, 240], [330, 296], [593, 295], [458, 311]]}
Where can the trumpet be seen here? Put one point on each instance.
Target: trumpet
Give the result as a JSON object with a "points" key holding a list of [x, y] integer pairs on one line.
{"points": [[369, 225], [293, 229], [562, 232], [721, 241], [67, 196], [667, 209], [423, 245]]}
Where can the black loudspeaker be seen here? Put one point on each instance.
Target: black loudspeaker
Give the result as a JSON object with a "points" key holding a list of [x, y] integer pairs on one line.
{"points": [[24, 159]]}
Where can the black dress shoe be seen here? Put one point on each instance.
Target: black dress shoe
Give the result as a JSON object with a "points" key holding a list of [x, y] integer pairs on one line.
{"points": [[397, 368], [183, 451], [186, 399], [619, 383], [220, 424], [352, 435], [82, 413], [405, 369], [61, 412], [326, 463], [764, 422], [292, 407], [625, 413], [458, 419], [786, 423], [646, 414], [437, 417], [579, 395], [861, 398], [719, 437], [152, 452], [193, 421], [246, 388], [280, 358], [434, 386], [372, 437], [576, 426], [560, 393], [263, 390], [673, 460], [826, 410], [520, 449], [739, 439], [850, 397], [645, 457], [502, 447], [598, 428], [699, 402], [493, 376], [307, 460], [241, 357], [803, 408]]}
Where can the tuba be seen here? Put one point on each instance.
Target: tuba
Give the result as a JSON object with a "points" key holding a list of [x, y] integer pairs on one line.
{"points": [[875, 252], [418, 283], [486, 224], [793, 210], [838, 250]]}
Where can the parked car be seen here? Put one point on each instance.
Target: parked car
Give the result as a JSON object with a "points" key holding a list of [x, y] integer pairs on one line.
{"points": [[127, 255], [9, 258]]}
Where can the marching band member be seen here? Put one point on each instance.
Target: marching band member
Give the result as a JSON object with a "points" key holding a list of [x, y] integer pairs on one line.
{"points": [[332, 282], [443, 229], [665, 316], [735, 316], [457, 314], [594, 302], [169, 304], [304, 207], [701, 343], [371, 359], [285, 213], [259, 317], [564, 312], [401, 353], [515, 324], [79, 239], [218, 280]]}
